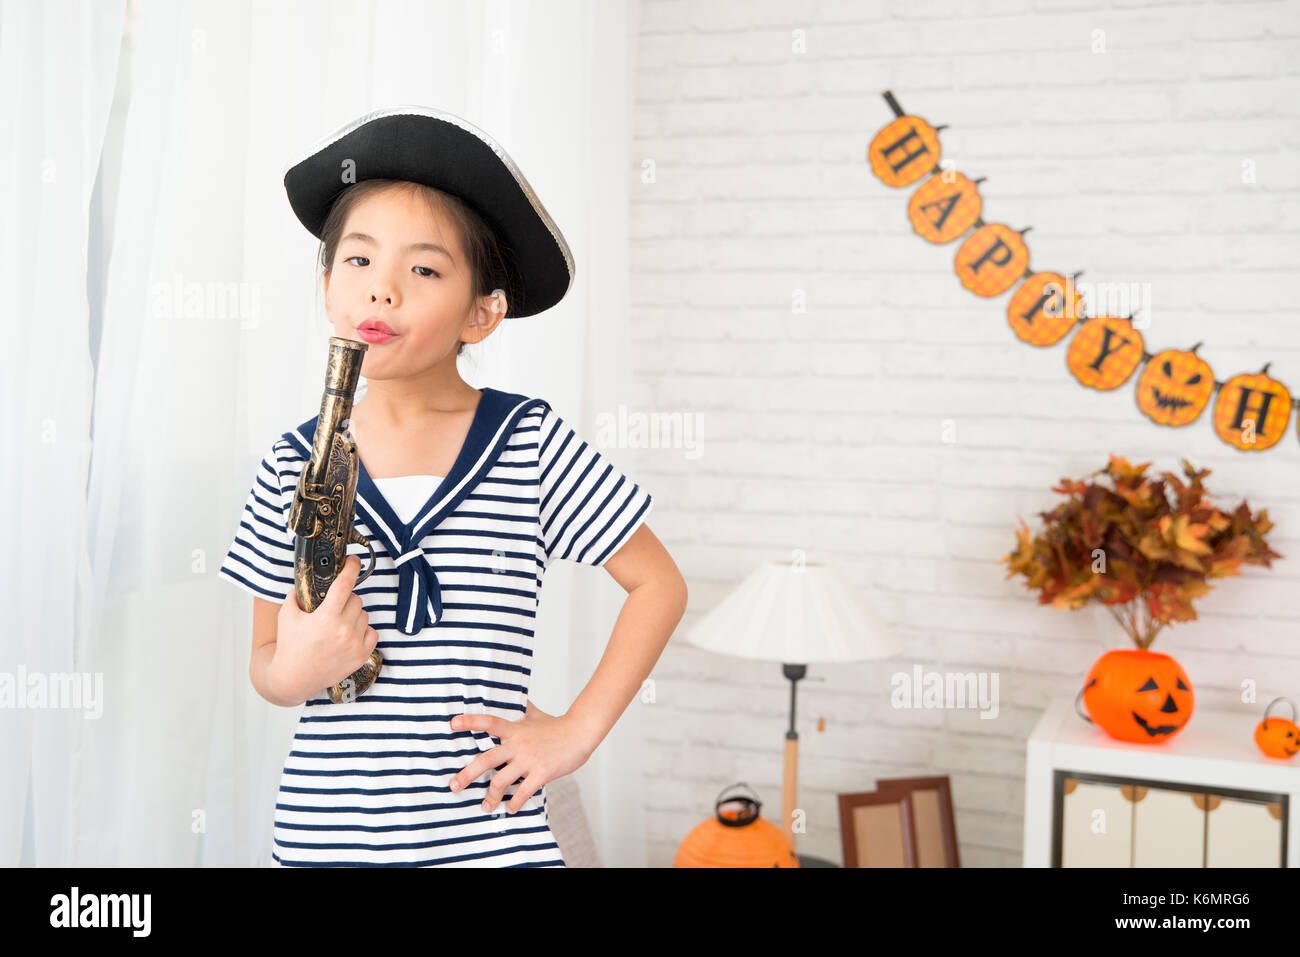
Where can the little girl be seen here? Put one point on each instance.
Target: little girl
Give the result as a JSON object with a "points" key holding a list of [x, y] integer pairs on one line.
{"points": [[430, 236]]}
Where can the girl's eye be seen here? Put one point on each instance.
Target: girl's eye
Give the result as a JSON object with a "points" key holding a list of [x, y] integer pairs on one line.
{"points": [[426, 274]]}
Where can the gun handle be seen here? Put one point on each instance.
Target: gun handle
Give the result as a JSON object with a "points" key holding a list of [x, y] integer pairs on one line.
{"points": [[359, 681]]}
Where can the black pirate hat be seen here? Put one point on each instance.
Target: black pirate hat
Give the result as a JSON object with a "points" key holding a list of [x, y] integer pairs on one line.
{"points": [[446, 152]]}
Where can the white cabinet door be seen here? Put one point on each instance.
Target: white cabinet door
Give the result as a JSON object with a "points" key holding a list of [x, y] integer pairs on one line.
{"points": [[1168, 828], [1096, 825], [1244, 833]]}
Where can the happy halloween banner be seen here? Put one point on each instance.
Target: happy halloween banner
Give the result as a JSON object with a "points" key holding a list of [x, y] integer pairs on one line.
{"points": [[1251, 412]]}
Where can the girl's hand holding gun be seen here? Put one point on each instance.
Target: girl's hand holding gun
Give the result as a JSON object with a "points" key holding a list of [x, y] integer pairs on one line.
{"points": [[319, 649]]}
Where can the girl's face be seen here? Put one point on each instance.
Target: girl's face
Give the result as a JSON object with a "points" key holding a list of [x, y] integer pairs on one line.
{"points": [[399, 262]]}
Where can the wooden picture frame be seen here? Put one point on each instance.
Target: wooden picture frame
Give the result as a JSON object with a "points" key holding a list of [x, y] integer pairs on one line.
{"points": [[876, 829], [932, 817]]}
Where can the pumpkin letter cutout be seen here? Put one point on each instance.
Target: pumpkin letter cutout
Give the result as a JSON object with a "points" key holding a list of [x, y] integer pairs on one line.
{"points": [[1278, 737], [1104, 352], [1252, 411], [1137, 695], [992, 260], [904, 151], [1175, 387], [1038, 312], [945, 206]]}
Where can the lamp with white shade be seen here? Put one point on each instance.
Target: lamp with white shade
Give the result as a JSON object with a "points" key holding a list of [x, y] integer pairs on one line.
{"points": [[797, 613]]}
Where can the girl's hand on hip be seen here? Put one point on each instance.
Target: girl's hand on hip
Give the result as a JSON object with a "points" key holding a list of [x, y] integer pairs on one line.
{"points": [[539, 748]]}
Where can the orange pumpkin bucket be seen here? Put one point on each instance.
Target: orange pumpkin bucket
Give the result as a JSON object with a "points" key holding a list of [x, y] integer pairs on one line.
{"points": [[1137, 695], [1278, 737], [736, 836]]}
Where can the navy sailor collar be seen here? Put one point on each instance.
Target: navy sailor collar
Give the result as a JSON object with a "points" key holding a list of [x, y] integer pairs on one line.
{"points": [[419, 596]]}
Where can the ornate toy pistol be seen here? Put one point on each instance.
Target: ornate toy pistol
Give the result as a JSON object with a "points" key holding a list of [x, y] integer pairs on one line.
{"points": [[323, 506]]}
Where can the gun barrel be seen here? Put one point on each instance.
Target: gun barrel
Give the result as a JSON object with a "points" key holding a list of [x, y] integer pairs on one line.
{"points": [[342, 372]]}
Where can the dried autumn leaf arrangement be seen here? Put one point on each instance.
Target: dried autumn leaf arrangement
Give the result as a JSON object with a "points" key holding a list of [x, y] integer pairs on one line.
{"points": [[1129, 546]]}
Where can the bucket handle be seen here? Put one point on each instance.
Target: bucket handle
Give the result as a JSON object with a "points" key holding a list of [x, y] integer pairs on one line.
{"points": [[1270, 708], [1076, 702]]}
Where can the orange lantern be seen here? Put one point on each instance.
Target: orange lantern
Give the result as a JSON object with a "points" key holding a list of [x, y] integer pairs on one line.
{"points": [[736, 837], [1278, 737], [1104, 352], [992, 259], [1137, 695], [945, 206], [1044, 308], [1252, 411], [1175, 387]]}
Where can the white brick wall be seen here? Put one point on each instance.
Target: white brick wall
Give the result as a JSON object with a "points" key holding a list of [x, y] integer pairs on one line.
{"points": [[822, 431]]}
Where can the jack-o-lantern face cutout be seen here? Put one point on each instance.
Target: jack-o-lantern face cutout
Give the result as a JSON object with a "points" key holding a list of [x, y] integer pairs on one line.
{"points": [[1138, 695], [1175, 387], [992, 260], [904, 151], [1043, 309], [1252, 411], [944, 206], [1104, 352]]}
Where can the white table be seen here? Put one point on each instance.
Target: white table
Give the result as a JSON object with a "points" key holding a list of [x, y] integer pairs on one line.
{"points": [[1213, 761]]}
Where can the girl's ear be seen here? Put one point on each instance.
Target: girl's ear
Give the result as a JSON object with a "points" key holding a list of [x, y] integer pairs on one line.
{"points": [[487, 315]]}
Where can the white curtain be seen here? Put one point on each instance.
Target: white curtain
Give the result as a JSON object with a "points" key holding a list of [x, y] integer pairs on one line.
{"points": [[213, 342], [57, 63]]}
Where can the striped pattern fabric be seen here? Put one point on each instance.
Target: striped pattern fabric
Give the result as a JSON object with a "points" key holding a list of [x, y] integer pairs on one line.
{"points": [[365, 783]]}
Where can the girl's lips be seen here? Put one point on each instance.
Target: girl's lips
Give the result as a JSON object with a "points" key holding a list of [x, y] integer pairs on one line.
{"points": [[374, 336]]}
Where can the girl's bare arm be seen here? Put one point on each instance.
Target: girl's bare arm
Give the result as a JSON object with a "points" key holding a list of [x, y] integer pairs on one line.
{"points": [[656, 601], [259, 668]]}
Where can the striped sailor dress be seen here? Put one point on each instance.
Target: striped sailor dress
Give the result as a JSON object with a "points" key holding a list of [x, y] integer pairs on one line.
{"points": [[453, 596]]}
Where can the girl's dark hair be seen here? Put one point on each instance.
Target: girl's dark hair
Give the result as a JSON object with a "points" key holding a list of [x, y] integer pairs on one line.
{"points": [[484, 251]]}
